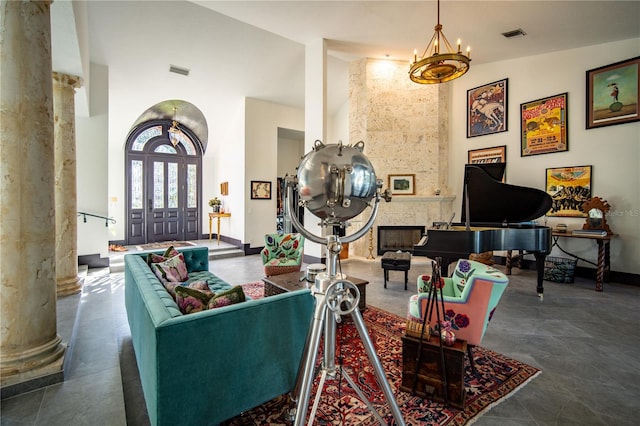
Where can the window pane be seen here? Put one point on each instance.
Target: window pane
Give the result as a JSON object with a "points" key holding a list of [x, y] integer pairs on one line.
{"points": [[158, 185], [191, 186], [172, 186], [166, 149], [143, 138], [136, 184]]}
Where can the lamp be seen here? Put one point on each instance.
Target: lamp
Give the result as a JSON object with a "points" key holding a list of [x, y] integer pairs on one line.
{"points": [[435, 67], [175, 134]]}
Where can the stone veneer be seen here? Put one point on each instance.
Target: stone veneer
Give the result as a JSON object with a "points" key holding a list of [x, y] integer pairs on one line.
{"points": [[405, 128]]}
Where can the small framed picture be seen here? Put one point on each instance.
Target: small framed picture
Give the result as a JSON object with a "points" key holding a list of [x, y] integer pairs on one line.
{"points": [[543, 125], [612, 94], [260, 190], [487, 109], [496, 154], [569, 188], [402, 184]]}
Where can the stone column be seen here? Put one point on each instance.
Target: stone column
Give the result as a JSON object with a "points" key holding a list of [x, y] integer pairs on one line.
{"points": [[64, 134], [29, 345]]}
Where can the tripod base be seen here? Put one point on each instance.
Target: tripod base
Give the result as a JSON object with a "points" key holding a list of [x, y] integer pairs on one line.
{"points": [[336, 301]]}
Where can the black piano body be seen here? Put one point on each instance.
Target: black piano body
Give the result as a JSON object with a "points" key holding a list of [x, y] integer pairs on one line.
{"points": [[503, 215]]}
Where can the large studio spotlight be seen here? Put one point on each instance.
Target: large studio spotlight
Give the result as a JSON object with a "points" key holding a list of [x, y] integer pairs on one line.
{"points": [[336, 183]]}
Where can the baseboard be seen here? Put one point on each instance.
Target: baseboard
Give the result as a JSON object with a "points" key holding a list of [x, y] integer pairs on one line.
{"points": [[581, 271]]}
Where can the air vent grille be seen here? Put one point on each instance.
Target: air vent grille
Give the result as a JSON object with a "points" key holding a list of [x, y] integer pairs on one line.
{"points": [[514, 33], [178, 70]]}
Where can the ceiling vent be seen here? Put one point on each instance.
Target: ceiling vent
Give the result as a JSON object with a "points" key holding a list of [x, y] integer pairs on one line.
{"points": [[178, 70], [514, 33]]}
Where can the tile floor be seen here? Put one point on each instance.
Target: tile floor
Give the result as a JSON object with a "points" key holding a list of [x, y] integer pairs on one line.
{"points": [[585, 343]]}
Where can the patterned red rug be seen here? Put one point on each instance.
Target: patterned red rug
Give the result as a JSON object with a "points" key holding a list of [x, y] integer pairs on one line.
{"points": [[496, 379]]}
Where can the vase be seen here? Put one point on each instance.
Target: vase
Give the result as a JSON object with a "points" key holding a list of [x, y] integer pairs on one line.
{"points": [[216, 209]]}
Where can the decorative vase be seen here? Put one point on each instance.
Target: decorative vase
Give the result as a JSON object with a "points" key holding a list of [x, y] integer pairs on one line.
{"points": [[216, 209], [448, 337]]}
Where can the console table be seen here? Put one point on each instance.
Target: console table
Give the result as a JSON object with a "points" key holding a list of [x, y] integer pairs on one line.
{"points": [[217, 216], [604, 253]]}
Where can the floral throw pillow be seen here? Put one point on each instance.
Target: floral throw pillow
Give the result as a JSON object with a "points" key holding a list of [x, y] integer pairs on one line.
{"points": [[157, 258], [173, 269], [170, 286], [190, 300], [226, 298]]}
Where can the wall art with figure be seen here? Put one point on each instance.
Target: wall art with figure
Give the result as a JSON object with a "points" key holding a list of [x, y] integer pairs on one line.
{"points": [[487, 109]]}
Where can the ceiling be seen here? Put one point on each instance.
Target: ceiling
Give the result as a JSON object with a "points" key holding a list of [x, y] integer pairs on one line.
{"points": [[393, 29]]}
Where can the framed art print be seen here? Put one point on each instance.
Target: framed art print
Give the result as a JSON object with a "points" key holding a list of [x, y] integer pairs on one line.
{"points": [[496, 154], [487, 109], [569, 188], [612, 94], [402, 184], [260, 190], [543, 125]]}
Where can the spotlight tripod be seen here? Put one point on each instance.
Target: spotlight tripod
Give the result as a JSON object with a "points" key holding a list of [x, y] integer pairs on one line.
{"points": [[335, 296]]}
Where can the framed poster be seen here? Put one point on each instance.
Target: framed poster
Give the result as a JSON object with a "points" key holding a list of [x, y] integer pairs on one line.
{"points": [[612, 94], [543, 125], [402, 184], [496, 154], [260, 190], [487, 109], [569, 188]]}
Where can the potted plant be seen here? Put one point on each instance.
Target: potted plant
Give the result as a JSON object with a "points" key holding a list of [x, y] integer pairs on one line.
{"points": [[215, 204]]}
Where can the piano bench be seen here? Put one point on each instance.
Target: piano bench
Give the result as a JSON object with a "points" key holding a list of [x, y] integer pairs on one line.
{"points": [[396, 261]]}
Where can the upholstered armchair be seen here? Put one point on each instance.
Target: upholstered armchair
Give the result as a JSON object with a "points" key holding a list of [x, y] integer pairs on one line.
{"points": [[470, 297], [282, 253]]}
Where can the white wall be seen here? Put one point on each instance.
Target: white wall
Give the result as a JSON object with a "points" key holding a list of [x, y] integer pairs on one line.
{"points": [[614, 151], [92, 174], [261, 162]]}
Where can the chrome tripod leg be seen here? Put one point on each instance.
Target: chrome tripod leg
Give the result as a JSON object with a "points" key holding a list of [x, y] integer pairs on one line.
{"points": [[310, 359], [377, 366]]}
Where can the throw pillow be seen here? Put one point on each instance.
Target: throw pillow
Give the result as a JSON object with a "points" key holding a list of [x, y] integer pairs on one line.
{"points": [[170, 286], [158, 258], [190, 300], [172, 269], [226, 298]]}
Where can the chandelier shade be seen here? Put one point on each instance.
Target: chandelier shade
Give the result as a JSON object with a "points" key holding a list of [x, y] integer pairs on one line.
{"points": [[439, 67]]}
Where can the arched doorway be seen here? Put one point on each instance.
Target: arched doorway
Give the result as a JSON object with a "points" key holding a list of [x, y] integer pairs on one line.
{"points": [[163, 183]]}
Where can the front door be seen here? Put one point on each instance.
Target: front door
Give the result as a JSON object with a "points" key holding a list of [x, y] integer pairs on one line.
{"points": [[163, 188]]}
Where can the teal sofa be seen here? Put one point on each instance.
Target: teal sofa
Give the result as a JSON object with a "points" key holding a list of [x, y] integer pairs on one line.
{"points": [[206, 367]]}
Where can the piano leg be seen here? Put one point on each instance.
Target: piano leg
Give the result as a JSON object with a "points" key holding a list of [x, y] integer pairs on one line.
{"points": [[540, 268]]}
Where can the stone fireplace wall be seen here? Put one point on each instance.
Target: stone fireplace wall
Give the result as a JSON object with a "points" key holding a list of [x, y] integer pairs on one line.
{"points": [[405, 128]]}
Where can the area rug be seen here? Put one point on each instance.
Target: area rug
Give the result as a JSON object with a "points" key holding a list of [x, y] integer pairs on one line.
{"points": [[165, 245], [254, 290], [497, 378]]}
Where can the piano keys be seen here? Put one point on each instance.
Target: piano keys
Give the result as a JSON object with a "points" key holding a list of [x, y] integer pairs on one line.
{"points": [[496, 216]]}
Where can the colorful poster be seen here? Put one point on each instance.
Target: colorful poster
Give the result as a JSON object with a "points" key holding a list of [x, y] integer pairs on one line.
{"points": [[569, 188], [544, 125]]}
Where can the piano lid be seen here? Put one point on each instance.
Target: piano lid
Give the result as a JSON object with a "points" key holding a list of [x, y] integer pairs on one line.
{"points": [[491, 201]]}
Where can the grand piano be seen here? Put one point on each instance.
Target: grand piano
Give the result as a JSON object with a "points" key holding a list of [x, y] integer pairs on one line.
{"points": [[495, 216]]}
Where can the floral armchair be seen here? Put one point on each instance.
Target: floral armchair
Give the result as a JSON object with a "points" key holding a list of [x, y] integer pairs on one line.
{"points": [[470, 297], [282, 253]]}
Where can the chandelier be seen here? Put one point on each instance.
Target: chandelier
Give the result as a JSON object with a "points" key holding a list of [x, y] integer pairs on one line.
{"points": [[438, 67], [175, 133]]}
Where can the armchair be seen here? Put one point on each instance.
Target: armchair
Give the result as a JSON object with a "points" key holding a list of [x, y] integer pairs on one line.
{"points": [[470, 297], [282, 253]]}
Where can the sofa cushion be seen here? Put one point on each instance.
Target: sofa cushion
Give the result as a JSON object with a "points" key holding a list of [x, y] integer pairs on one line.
{"points": [[172, 269], [226, 298], [192, 300]]}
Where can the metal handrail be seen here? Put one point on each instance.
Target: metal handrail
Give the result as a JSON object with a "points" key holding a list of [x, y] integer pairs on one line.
{"points": [[106, 219]]}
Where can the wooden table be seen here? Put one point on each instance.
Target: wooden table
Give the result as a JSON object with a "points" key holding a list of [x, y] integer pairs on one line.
{"points": [[217, 216], [603, 266], [277, 284]]}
